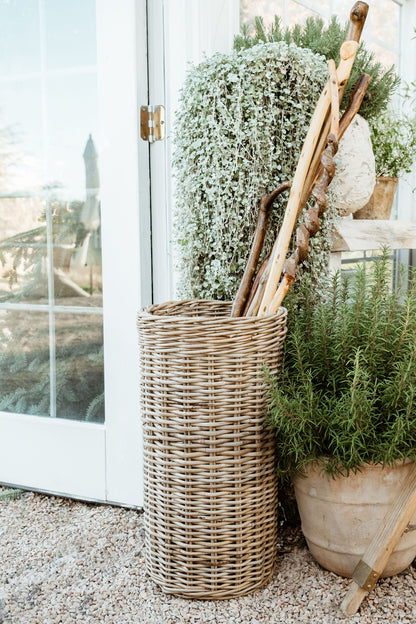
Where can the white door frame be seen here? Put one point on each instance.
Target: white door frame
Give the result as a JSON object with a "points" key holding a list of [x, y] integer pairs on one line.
{"points": [[104, 462], [122, 54]]}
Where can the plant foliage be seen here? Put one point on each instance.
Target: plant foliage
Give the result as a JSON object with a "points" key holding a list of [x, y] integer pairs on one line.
{"points": [[347, 392], [327, 40], [240, 128], [394, 143]]}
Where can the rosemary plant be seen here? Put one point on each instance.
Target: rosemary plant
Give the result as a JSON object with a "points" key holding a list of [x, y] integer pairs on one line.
{"points": [[347, 393]]}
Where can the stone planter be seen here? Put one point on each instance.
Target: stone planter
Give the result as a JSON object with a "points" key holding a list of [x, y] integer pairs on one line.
{"points": [[340, 516], [381, 202]]}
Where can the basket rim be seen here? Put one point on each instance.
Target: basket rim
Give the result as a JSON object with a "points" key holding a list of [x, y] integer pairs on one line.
{"points": [[145, 312]]}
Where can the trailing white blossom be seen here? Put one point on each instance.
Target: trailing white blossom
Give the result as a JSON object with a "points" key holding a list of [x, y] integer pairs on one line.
{"points": [[239, 131]]}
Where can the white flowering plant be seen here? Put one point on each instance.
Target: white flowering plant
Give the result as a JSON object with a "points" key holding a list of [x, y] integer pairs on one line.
{"points": [[239, 132]]}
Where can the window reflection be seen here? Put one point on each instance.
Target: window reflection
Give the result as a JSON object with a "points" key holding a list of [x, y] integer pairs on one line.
{"points": [[50, 222]]}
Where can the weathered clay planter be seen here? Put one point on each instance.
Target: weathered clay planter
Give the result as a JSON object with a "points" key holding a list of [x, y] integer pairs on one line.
{"points": [[340, 516], [381, 202]]}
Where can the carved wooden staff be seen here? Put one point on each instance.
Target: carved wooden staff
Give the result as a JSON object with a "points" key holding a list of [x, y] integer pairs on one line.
{"points": [[354, 104], [358, 16], [305, 171], [348, 52], [311, 220], [310, 148]]}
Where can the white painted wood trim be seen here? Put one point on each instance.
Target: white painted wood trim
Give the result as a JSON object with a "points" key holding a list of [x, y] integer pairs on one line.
{"points": [[121, 41], [161, 223], [180, 32], [64, 457], [368, 234]]}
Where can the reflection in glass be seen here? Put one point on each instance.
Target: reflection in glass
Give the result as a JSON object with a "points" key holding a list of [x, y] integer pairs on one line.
{"points": [[77, 241], [50, 221], [20, 50], [70, 34], [79, 367], [24, 363], [23, 250]]}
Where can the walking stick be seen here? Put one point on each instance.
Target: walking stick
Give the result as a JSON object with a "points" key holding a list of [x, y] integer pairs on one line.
{"points": [[266, 205], [317, 135], [354, 104], [348, 52], [327, 170]]}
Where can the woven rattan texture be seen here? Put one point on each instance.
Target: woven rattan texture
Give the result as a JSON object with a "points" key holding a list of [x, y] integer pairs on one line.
{"points": [[209, 460]]}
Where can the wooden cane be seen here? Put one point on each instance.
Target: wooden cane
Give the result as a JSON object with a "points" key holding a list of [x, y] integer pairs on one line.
{"points": [[266, 205], [354, 104], [319, 125], [255, 286], [348, 52], [357, 19], [312, 216], [327, 170], [358, 16], [357, 95]]}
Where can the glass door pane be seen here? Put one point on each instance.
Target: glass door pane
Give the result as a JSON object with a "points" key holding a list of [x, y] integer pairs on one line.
{"points": [[51, 335]]}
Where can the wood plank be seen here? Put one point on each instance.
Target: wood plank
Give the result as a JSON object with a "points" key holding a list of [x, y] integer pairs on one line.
{"points": [[382, 544], [368, 234]]}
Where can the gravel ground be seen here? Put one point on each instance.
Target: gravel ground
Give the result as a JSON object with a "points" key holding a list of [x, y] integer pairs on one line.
{"points": [[64, 562]]}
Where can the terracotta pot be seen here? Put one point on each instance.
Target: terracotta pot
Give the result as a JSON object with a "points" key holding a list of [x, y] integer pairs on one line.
{"points": [[341, 516], [381, 201]]}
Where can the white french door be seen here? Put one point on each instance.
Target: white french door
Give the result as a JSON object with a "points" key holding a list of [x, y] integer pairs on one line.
{"points": [[75, 260]]}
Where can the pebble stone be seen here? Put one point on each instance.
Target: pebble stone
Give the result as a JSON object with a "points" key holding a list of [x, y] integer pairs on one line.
{"points": [[67, 562]]}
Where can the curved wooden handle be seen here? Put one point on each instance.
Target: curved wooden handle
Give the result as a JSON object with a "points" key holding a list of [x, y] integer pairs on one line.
{"points": [[266, 204], [357, 20]]}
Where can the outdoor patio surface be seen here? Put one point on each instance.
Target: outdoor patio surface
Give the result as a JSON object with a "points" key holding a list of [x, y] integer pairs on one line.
{"points": [[64, 562]]}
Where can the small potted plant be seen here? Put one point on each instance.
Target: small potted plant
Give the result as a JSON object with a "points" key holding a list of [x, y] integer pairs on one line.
{"points": [[344, 412], [393, 137]]}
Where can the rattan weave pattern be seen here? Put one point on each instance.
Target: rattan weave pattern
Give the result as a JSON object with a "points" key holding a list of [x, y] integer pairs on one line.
{"points": [[209, 460]]}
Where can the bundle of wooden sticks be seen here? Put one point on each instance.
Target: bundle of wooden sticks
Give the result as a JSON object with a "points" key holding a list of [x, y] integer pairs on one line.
{"points": [[314, 172]]}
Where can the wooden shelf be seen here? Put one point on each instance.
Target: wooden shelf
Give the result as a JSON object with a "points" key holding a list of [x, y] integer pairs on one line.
{"points": [[366, 234]]}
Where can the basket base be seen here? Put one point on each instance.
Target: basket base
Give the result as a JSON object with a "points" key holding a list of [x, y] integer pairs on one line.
{"points": [[204, 593]]}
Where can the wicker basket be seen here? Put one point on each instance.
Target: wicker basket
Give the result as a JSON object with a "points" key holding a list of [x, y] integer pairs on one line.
{"points": [[210, 483]]}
